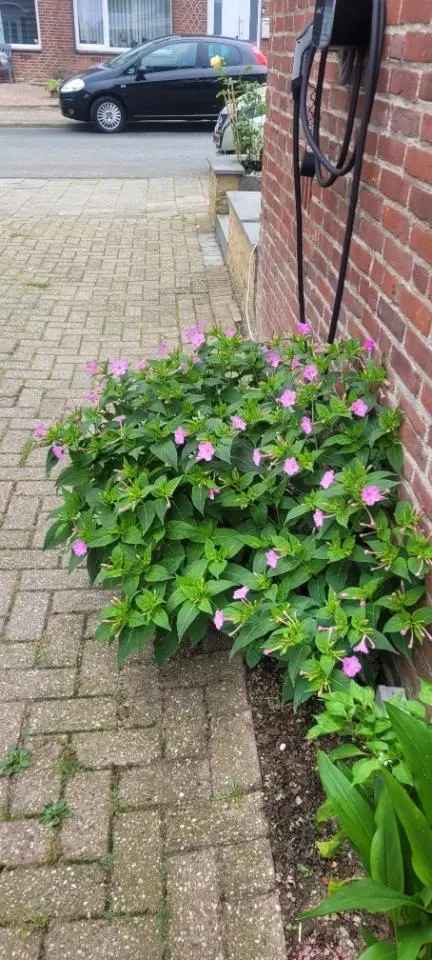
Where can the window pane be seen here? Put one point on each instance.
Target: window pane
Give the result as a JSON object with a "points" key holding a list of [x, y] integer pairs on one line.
{"points": [[173, 56], [228, 51], [90, 21], [18, 23], [132, 22]]}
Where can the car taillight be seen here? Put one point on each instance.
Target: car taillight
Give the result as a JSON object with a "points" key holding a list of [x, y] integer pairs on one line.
{"points": [[260, 57]]}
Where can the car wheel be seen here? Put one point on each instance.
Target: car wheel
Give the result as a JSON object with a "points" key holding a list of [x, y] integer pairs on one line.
{"points": [[109, 115]]}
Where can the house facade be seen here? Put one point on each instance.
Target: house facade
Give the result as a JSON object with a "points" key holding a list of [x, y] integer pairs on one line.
{"points": [[54, 38]]}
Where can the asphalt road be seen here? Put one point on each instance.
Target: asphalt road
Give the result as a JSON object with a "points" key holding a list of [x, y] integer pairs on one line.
{"points": [[145, 150]]}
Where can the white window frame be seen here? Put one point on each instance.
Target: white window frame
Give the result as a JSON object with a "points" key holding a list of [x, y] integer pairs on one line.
{"points": [[97, 47], [31, 46]]}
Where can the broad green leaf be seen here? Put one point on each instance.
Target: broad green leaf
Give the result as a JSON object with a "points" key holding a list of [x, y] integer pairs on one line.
{"points": [[58, 533], [379, 951], [416, 828], [386, 857], [165, 647], [352, 810], [185, 617], [345, 752], [366, 895], [364, 769], [415, 738], [167, 452], [180, 530], [218, 586], [146, 514], [199, 497], [425, 694], [411, 939], [132, 641]]}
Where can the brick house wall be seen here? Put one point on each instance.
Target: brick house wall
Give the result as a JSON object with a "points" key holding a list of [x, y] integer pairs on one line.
{"points": [[389, 283], [58, 54]]}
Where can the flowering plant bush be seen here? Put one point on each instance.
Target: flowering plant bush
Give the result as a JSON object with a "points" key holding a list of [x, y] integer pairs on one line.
{"points": [[252, 486]]}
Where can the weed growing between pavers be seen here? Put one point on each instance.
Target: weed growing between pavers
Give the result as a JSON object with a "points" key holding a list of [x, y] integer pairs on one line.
{"points": [[15, 762], [53, 814]]}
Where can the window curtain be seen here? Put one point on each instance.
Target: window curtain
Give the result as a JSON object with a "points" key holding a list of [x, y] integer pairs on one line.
{"points": [[132, 22], [90, 21]]}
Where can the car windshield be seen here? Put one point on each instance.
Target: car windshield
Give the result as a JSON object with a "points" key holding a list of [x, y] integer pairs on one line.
{"points": [[124, 59]]}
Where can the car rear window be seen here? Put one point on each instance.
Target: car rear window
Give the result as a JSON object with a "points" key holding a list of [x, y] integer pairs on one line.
{"points": [[228, 51]]}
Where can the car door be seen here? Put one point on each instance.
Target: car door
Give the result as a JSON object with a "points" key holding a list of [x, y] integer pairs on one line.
{"points": [[210, 84], [164, 81]]}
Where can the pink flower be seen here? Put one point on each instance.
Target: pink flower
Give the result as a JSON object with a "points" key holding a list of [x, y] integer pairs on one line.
{"points": [[241, 593], [362, 647], [194, 336], [92, 368], [306, 425], [79, 548], [351, 666], [257, 456], [58, 451], [310, 372], [92, 398], [219, 619], [163, 349], [180, 436], [319, 518], [287, 398], [231, 332], [360, 408], [40, 431], [371, 494], [272, 557], [295, 363], [120, 419], [238, 423], [369, 345], [327, 479], [304, 329], [118, 368], [291, 466], [205, 451], [213, 492], [141, 365], [273, 358]]}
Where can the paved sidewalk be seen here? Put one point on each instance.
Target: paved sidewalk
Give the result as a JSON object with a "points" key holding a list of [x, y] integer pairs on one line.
{"points": [[165, 855], [29, 104]]}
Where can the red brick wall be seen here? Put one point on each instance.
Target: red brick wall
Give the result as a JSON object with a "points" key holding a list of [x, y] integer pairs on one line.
{"points": [[389, 284], [58, 52]]}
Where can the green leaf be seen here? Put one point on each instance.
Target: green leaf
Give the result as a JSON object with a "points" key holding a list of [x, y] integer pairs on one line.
{"points": [[416, 828], [185, 617], [386, 857], [415, 738], [180, 530], [379, 951], [133, 641], [345, 752], [57, 533], [352, 810], [165, 647], [167, 452], [364, 769], [199, 497], [411, 939], [146, 514], [366, 895], [425, 694], [218, 586]]}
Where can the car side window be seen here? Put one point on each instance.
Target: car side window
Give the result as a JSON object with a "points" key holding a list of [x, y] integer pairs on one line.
{"points": [[228, 51], [172, 56]]}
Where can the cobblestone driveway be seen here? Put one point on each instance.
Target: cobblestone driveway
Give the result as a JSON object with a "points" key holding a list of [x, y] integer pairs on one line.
{"points": [[166, 853]]}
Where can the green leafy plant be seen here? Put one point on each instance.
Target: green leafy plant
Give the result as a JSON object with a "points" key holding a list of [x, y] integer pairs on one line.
{"points": [[250, 486], [352, 712], [15, 761], [53, 814], [245, 100], [390, 827], [53, 86]]}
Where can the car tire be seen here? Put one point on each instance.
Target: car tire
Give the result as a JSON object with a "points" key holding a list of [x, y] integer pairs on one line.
{"points": [[108, 115]]}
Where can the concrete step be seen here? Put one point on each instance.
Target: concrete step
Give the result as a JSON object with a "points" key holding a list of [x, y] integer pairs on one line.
{"points": [[222, 233]]}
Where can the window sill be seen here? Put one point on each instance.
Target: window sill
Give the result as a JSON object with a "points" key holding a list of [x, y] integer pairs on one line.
{"points": [[94, 48], [26, 46]]}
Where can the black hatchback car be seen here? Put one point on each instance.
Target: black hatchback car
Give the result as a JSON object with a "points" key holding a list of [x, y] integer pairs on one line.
{"points": [[171, 78]]}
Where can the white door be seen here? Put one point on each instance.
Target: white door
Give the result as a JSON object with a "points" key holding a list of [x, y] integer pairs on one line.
{"points": [[236, 18]]}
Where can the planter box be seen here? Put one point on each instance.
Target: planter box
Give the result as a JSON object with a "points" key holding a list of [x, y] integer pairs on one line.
{"points": [[241, 253], [226, 174]]}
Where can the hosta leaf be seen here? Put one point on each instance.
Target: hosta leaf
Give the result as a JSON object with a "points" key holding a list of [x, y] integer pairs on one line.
{"points": [[386, 857]]}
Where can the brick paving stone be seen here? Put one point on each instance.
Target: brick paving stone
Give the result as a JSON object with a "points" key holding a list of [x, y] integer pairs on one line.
{"points": [[17, 655], [200, 670], [10, 726], [136, 875], [193, 907], [140, 680], [21, 513], [98, 674], [75, 891], [253, 929], [216, 821], [166, 782], [60, 643], [85, 835], [187, 704], [79, 601], [63, 716], [40, 783], [20, 944], [233, 753], [227, 698], [106, 749], [184, 738], [35, 684], [138, 712], [131, 939], [27, 619], [7, 587], [25, 559], [23, 842], [246, 869]]}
